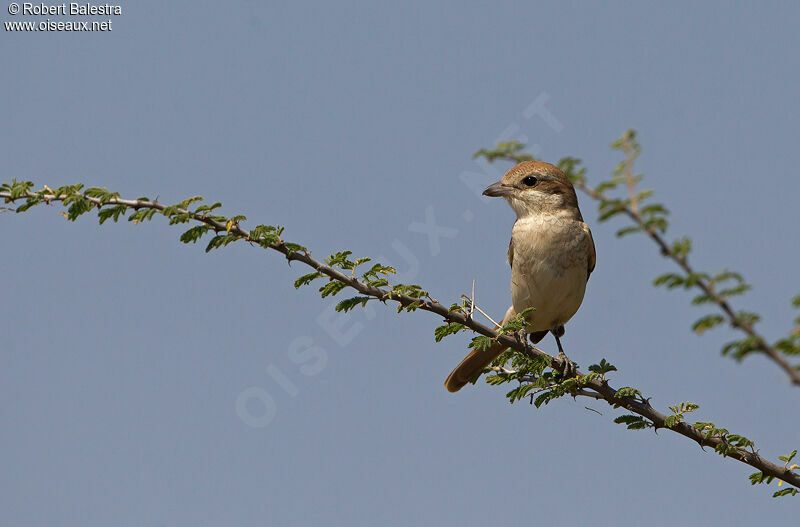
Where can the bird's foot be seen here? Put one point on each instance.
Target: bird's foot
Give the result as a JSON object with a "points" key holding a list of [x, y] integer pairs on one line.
{"points": [[568, 368], [521, 337]]}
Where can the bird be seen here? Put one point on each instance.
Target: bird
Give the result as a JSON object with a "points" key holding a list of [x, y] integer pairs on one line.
{"points": [[551, 255]]}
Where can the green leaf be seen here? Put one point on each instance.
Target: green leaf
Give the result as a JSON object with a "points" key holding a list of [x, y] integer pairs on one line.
{"points": [[627, 391], [70, 191], [789, 345], [703, 299], [221, 241], [292, 248], [360, 261], [524, 364], [78, 207], [659, 224], [682, 247], [633, 422], [790, 491], [571, 166], [747, 318], [188, 201], [739, 349], [448, 329], [709, 429], [111, 212], [207, 208], [340, 260], [481, 343], [684, 408], [724, 276], [545, 398], [17, 189], [266, 235], [519, 392], [517, 322], [509, 150], [654, 208], [692, 279], [259, 231], [707, 322], [411, 290], [738, 290], [30, 202], [306, 279], [606, 185], [411, 306], [670, 280], [332, 288], [628, 230], [739, 441], [95, 192], [724, 449], [377, 270], [610, 211], [145, 215], [602, 368], [500, 378], [194, 234], [351, 303]]}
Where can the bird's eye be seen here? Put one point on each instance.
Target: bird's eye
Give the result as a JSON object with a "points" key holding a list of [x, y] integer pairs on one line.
{"points": [[529, 181]]}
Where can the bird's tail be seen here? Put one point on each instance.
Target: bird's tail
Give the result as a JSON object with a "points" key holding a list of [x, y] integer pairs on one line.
{"points": [[474, 363], [471, 366]]}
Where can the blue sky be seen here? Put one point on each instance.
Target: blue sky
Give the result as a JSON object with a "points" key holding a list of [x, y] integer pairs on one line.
{"points": [[147, 383]]}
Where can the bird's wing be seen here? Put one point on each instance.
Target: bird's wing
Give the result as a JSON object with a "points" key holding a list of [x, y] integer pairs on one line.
{"points": [[592, 259], [511, 252]]}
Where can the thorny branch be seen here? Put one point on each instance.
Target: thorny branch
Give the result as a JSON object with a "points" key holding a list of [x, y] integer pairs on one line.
{"points": [[596, 388]]}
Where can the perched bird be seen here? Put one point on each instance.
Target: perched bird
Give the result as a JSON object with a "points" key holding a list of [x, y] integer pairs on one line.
{"points": [[551, 255]]}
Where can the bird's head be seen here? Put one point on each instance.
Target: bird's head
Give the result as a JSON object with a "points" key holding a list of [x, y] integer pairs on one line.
{"points": [[536, 187]]}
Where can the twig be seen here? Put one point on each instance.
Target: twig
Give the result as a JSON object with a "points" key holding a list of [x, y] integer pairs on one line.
{"points": [[481, 311], [743, 325], [630, 181]]}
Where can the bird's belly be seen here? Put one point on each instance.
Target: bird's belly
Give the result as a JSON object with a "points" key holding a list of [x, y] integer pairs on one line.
{"points": [[555, 296]]}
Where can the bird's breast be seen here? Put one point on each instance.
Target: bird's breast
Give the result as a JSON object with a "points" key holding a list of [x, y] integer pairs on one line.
{"points": [[549, 268]]}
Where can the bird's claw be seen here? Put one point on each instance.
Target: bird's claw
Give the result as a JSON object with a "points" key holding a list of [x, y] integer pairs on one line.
{"points": [[568, 368]]}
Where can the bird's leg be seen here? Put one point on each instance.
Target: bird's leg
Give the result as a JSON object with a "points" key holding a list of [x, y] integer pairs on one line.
{"points": [[568, 368]]}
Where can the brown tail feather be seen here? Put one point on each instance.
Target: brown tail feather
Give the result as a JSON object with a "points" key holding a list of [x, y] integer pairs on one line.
{"points": [[471, 366], [476, 361]]}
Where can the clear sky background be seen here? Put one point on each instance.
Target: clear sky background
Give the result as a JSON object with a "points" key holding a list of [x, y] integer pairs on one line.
{"points": [[136, 372]]}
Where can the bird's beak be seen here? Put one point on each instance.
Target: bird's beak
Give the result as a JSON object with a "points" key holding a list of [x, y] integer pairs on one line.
{"points": [[498, 189]]}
